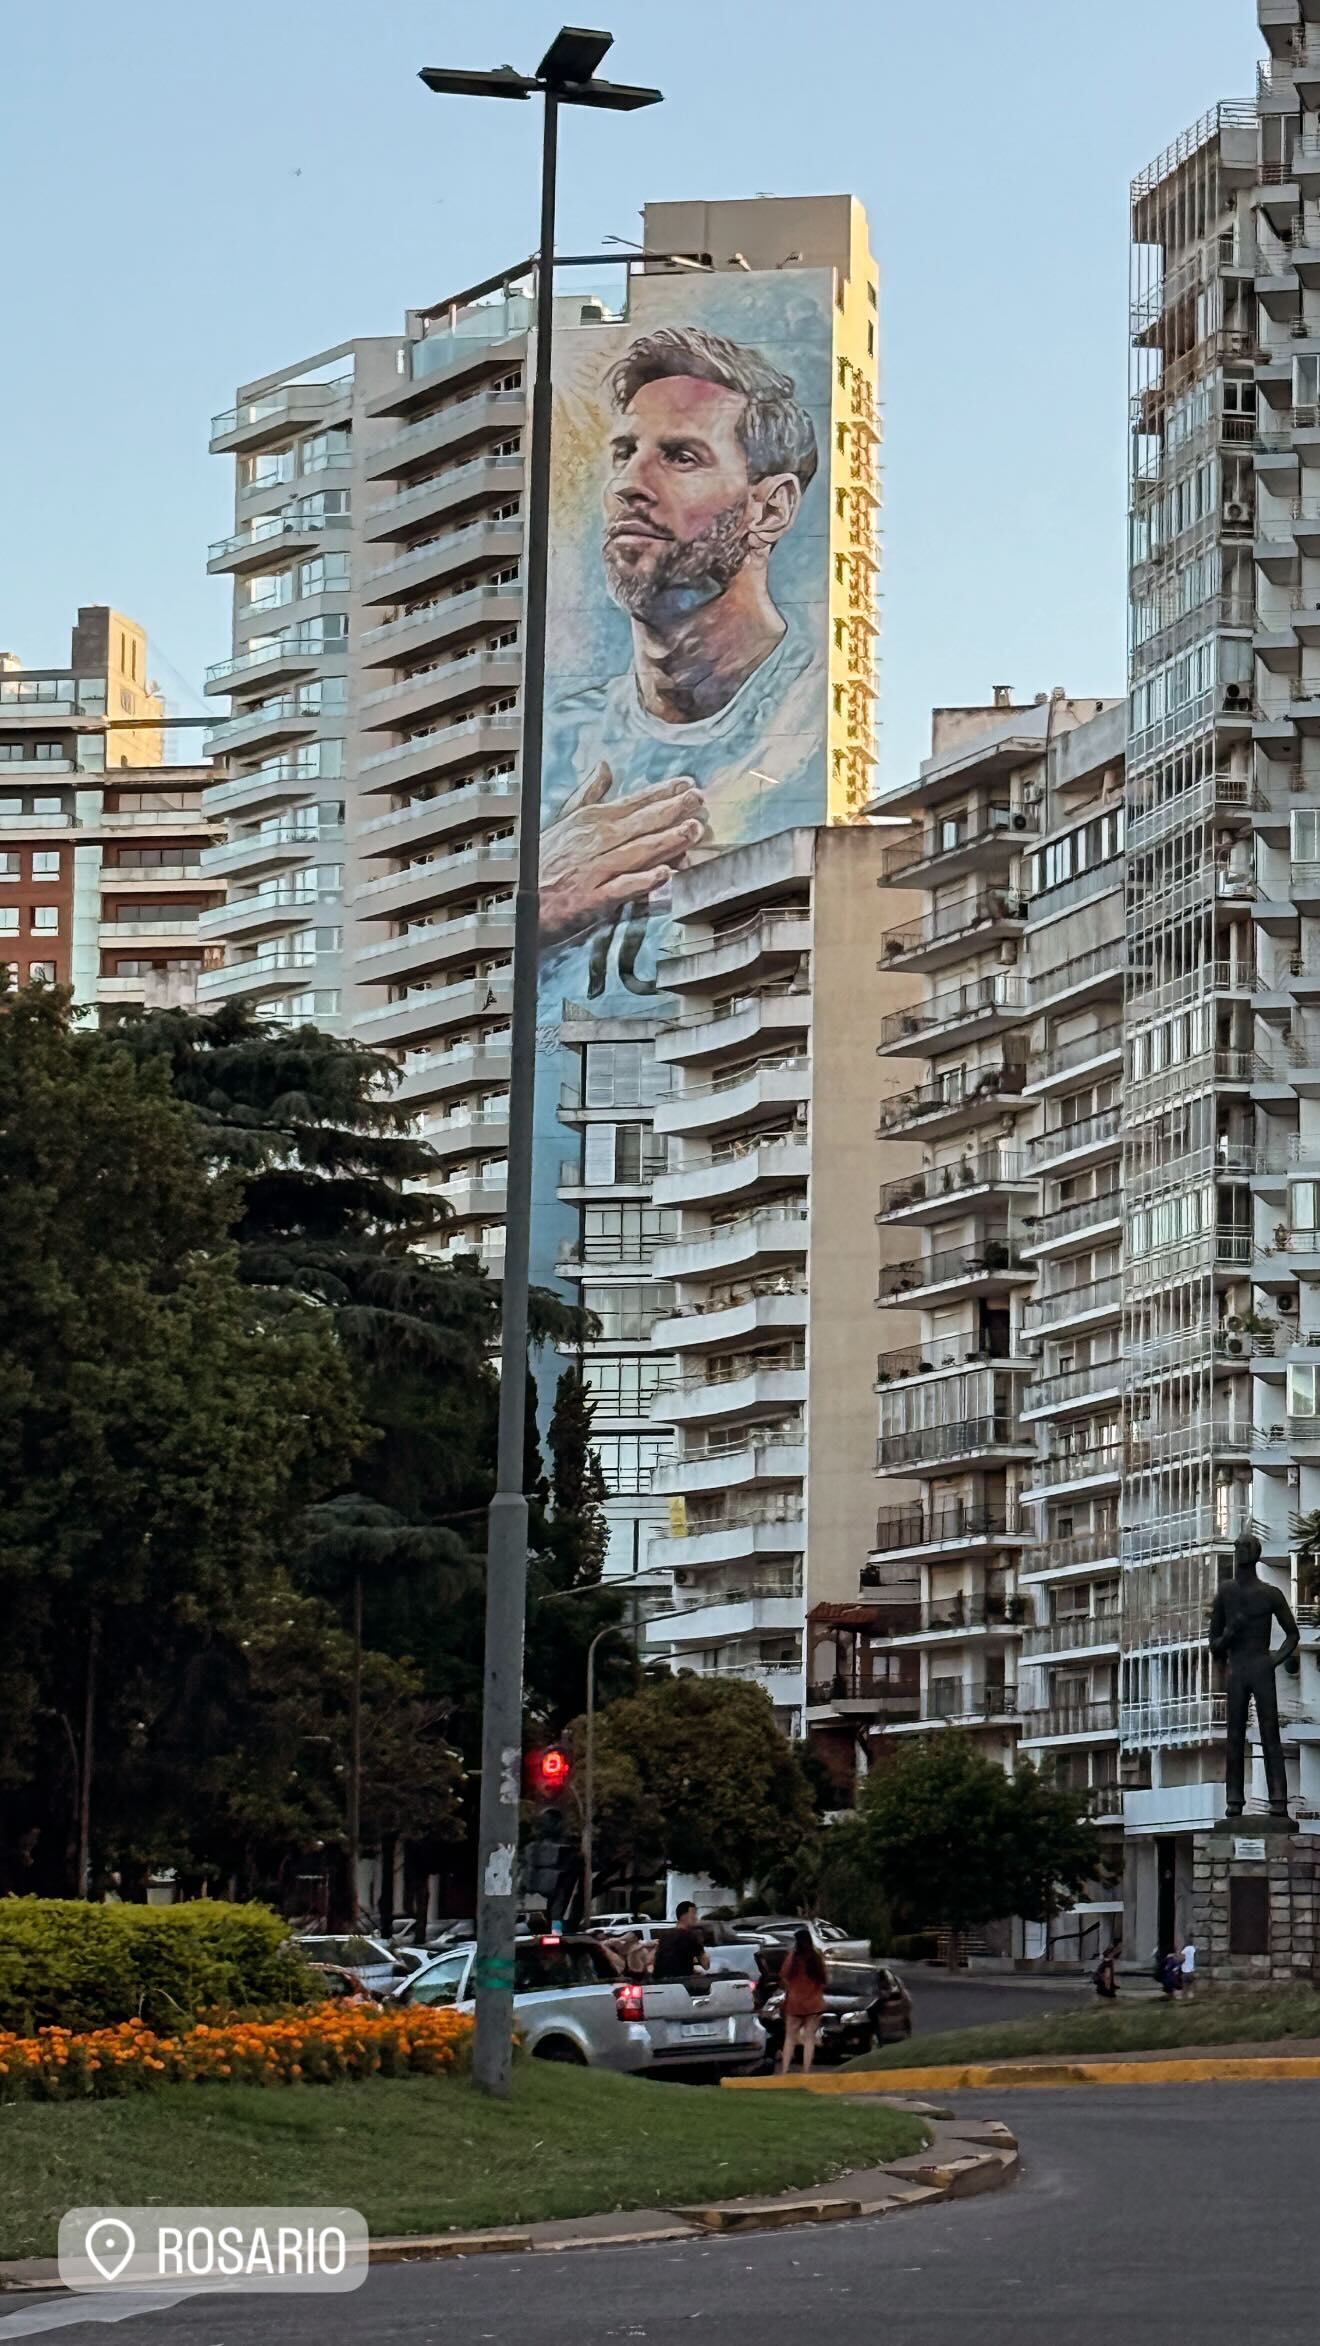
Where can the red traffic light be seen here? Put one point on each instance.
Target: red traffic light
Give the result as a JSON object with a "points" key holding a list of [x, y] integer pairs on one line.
{"points": [[551, 1769]]}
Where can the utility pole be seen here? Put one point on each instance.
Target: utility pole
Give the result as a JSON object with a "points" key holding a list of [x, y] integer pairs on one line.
{"points": [[564, 77]]}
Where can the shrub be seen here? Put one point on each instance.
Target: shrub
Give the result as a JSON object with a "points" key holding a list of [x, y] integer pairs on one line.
{"points": [[323, 2045], [71, 1965]]}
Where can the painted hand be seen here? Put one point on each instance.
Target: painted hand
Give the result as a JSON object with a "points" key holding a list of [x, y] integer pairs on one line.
{"points": [[600, 852]]}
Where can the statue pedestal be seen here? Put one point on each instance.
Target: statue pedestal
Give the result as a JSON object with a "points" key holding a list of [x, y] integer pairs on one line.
{"points": [[1256, 1903]]}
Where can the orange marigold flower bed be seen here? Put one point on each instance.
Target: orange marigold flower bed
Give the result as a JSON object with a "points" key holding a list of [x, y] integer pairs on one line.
{"points": [[318, 2045]]}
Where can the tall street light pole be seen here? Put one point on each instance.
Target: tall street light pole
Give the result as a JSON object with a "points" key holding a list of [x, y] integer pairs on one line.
{"points": [[566, 76]]}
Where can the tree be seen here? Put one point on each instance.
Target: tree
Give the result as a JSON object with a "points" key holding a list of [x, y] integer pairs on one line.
{"points": [[695, 1773], [954, 1843], [156, 1437]]}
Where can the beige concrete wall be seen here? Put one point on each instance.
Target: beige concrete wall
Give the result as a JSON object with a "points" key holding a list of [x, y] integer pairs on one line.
{"points": [[847, 1165]]}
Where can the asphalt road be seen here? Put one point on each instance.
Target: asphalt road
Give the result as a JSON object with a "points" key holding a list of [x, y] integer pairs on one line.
{"points": [[960, 1999], [1151, 2215]]}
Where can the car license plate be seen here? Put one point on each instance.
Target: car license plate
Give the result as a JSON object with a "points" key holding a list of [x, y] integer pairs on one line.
{"points": [[695, 2029]]}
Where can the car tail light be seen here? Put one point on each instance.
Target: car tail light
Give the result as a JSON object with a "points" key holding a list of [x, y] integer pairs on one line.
{"points": [[628, 2000]]}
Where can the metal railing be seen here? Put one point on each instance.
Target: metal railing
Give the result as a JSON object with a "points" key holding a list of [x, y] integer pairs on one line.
{"points": [[437, 547], [454, 411], [927, 1100], [1182, 1718], [1075, 1634], [963, 1611], [985, 1169], [1099, 1546], [1065, 1303], [980, 996], [1101, 961], [1086, 1213], [930, 844], [922, 1360], [922, 1527], [1087, 1132], [1075, 1466], [980, 910], [993, 1256], [435, 483], [1075, 1384], [1097, 1045], [965, 1438], [949, 1699], [1082, 1718]]}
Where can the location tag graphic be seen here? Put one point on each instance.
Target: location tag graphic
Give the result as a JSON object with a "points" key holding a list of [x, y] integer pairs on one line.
{"points": [[109, 2245]]}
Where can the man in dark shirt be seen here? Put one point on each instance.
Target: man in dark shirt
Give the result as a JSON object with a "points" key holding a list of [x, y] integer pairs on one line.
{"points": [[681, 1952]]}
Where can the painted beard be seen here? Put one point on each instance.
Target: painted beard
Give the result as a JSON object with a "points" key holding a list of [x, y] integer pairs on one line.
{"points": [[679, 574]]}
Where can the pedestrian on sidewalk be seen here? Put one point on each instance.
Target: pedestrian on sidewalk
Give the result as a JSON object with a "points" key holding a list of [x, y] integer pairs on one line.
{"points": [[1171, 1978], [1188, 1981], [803, 1981], [1105, 1975]]}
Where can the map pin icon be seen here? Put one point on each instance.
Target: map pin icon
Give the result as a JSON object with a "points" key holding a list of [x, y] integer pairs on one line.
{"points": [[109, 2244]]}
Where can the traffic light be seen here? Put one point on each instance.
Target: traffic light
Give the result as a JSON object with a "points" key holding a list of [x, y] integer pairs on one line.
{"points": [[549, 1772]]}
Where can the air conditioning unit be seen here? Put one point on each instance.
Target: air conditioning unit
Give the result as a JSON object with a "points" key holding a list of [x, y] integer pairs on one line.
{"points": [[1031, 1348], [1236, 696], [1019, 822], [682, 1577], [1031, 794], [1008, 954], [1236, 514]]}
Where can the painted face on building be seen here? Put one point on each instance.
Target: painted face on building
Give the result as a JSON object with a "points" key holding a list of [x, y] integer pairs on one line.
{"points": [[680, 510]]}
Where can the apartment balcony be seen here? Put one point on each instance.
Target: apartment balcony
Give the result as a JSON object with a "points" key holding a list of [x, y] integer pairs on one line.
{"points": [[699, 1621], [962, 1528], [273, 536], [704, 1036], [1099, 1381], [481, 480], [737, 1388], [429, 946], [862, 1696], [141, 883], [482, 1132], [266, 913], [481, 674], [426, 563], [1098, 879], [460, 424], [484, 734], [1064, 1723], [403, 641], [1084, 1471], [435, 1075], [754, 1245], [738, 1539], [739, 1173], [738, 1098], [403, 894], [991, 1266], [766, 1308], [929, 1195], [173, 989], [943, 851], [273, 415], [1088, 1303], [1069, 1064], [281, 785], [1070, 1558], [766, 1456], [939, 1357], [955, 1102], [948, 1620], [282, 656], [1085, 978], [962, 1015], [434, 1010], [282, 718], [1076, 1633], [923, 1450], [1173, 1719], [765, 945], [1084, 1222], [279, 847], [1070, 1147], [426, 822], [949, 1703], [166, 931], [262, 977], [950, 932]]}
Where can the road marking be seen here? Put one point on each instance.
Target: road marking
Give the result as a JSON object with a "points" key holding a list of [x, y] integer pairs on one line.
{"points": [[124, 2306]]}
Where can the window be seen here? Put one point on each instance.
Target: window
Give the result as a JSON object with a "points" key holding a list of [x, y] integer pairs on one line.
{"points": [[41, 973], [46, 863], [627, 1314], [620, 1152], [10, 866], [441, 1984], [1303, 1391], [267, 470], [47, 805], [555, 1963], [322, 573], [624, 1075], [46, 919], [8, 920], [1306, 837], [624, 1388], [323, 451], [1304, 1204]]}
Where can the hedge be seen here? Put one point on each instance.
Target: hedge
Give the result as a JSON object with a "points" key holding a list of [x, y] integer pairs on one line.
{"points": [[69, 1964]]}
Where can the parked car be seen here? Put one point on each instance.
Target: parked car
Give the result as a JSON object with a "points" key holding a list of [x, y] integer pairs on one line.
{"points": [[866, 2004], [778, 1929], [571, 2005], [377, 1965]]}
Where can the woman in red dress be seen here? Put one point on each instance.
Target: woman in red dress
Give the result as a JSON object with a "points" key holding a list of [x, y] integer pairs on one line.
{"points": [[803, 1982]]}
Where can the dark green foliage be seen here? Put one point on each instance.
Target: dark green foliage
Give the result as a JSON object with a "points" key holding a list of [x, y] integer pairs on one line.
{"points": [[955, 1843]]}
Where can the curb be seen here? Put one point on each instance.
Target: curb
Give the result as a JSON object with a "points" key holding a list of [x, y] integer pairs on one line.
{"points": [[962, 2159], [1234, 2070]]}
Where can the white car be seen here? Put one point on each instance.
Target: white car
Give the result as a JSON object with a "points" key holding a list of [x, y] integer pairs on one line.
{"points": [[776, 1930], [377, 1966], [570, 2004]]}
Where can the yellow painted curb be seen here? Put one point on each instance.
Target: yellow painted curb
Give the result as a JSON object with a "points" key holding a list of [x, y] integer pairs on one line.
{"points": [[1206, 2071]]}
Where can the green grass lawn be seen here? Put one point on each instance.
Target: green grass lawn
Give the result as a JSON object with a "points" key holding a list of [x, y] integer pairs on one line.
{"points": [[1235, 2016], [428, 2155]]}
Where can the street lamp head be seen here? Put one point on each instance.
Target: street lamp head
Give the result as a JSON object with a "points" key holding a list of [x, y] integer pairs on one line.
{"points": [[566, 72], [574, 54], [502, 82]]}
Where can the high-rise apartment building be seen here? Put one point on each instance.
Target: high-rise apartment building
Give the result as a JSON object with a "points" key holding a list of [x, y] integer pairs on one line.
{"points": [[990, 1599], [372, 799], [101, 836]]}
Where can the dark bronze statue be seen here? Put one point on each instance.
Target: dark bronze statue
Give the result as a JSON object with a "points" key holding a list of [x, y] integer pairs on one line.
{"points": [[1241, 1626]]}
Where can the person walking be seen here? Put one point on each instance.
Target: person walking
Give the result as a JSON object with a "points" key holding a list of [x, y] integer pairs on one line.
{"points": [[680, 1952], [1105, 1975], [1189, 1969], [803, 1982]]}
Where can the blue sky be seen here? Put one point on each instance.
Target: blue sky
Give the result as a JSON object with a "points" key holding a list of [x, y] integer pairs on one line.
{"points": [[198, 193]]}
